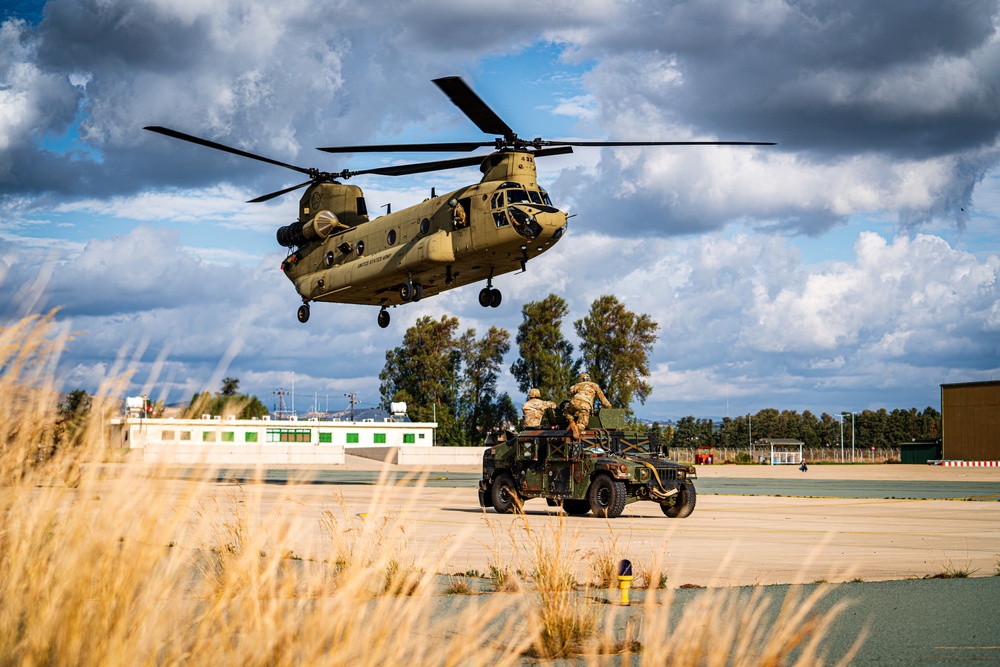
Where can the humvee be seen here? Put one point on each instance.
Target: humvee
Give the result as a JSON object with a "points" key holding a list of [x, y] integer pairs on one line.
{"points": [[601, 473]]}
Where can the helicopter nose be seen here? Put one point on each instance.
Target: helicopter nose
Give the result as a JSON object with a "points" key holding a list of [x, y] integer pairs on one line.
{"points": [[552, 223], [537, 223]]}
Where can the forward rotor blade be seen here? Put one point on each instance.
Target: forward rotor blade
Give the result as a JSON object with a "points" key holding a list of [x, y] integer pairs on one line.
{"points": [[465, 99], [455, 147], [558, 150], [657, 143], [166, 131], [268, 197]]}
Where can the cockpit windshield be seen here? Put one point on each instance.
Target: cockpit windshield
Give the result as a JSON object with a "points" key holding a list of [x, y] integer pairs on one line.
{"points": [[518, 195]]}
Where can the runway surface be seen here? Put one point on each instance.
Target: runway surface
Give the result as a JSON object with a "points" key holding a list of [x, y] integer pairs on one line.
{"points": [[804, 487], [883, 535]]}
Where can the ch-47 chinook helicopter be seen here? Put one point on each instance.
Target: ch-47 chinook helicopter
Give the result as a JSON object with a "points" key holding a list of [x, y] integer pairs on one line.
{"points": [[474, 234]]}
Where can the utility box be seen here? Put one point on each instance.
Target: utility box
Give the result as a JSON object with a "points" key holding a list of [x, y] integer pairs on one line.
{"points": [[920, 451]]}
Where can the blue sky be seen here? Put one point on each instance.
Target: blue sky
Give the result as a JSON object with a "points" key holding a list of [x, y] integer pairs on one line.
{"points": [[852, 266]]}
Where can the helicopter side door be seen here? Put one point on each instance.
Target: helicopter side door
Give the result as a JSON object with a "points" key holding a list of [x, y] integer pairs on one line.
{"points": [[464, 236]]}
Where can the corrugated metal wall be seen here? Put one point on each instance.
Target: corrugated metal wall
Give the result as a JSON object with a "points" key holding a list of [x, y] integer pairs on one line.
{"points": [[971, 421]]}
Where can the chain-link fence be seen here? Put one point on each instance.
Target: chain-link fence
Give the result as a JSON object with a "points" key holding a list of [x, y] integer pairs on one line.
{"points": [[762, 454]]}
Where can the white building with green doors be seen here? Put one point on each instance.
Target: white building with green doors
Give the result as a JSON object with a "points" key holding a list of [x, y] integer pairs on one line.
{"points": [[215, 440]]}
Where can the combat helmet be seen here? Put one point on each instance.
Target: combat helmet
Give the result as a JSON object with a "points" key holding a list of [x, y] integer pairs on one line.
{"points": [[534, 393]]}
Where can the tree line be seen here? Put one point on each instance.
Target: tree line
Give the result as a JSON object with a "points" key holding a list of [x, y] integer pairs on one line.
{"points": [[451, 378], [871, 428]]}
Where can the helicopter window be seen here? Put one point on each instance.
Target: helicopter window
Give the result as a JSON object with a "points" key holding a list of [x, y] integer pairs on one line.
{"points": [[497, 200], [391, 238], [362, 206], [517, 196], [545, 198], [360, 247], [425, 226], [536, 198], [500, 217]]}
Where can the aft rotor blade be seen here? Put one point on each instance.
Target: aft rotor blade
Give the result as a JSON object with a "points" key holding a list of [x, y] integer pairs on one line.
{"points": [[166, 131], [423, 167], [455, 147], [268, 197], [465, 99]]}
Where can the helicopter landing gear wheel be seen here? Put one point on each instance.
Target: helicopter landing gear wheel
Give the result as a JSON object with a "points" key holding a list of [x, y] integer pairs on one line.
{"points": [[490, 297], [383, 318], [303, 313], [411, 291]]}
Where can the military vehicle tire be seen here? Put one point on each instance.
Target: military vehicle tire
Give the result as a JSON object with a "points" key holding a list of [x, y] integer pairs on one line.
{"points": [[303, 313], [504, 495], [383, 318], [485, 296], [606, 497], [684, 504], [576, 507]]}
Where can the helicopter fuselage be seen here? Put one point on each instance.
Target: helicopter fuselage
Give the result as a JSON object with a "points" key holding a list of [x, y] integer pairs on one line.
{"points": [[341, 256], [337, 254]]}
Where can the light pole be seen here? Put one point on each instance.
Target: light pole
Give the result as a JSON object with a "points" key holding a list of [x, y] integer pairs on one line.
{"points": [[852, 437], [841, 418], [852, 430]]}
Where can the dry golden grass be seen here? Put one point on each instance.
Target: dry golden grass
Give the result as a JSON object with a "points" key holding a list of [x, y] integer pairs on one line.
{"points": [[98, 570]]}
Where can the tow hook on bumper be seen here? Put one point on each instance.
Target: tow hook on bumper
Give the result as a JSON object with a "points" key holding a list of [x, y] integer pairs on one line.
{"points": [[662, 495]]}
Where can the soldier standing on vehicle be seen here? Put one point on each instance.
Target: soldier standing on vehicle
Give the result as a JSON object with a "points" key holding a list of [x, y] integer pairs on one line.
{"points": [[534, 408], [581, 405]]}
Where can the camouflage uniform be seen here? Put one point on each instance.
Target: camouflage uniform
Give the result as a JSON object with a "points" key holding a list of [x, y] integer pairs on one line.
{"points": [[581, 404], [535, 408], [457, 214]]}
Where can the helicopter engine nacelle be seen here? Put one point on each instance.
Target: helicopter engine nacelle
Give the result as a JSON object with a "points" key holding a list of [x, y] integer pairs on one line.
{"points": [[317, 229]]}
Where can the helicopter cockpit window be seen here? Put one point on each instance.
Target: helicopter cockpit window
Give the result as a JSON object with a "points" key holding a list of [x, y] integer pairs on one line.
{"points": [[497, 201], [517, 196], [536, 197], [545, 198]]}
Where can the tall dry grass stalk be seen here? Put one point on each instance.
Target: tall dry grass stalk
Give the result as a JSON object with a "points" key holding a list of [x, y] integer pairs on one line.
{"points": [[118, 569], [122, 571]]}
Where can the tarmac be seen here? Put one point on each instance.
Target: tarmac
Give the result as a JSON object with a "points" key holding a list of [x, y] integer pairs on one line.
{"points": [[915, 548], [753, 525]]}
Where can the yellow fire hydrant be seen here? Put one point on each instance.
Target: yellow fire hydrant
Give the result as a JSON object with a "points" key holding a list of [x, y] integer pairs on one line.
{"points": [[624, 579]]}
